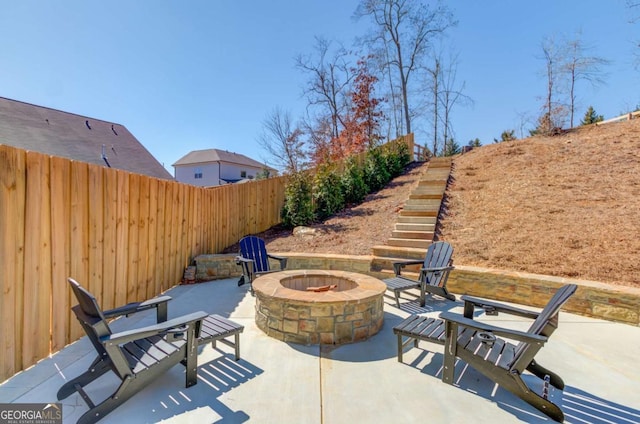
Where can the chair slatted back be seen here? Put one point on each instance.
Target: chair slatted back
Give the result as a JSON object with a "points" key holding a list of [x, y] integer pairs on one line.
{"points": [[439, 254], [252, 247], [541, 324], [90, 316]]}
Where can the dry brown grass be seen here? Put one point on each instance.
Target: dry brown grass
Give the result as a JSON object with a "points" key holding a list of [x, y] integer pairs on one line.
{"points": [[566, 205]]}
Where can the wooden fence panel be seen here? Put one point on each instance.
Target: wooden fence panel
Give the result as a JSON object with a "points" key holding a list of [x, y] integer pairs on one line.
{"points": [[96, 232], [60, 251], [122, 239], [79, 224], [160, 237], [110, 237], [143, 239], [169, 230], [133, 262], [37, 261], [12, 235], [152, 231]]}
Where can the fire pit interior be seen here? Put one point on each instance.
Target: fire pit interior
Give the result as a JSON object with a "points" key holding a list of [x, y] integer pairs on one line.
{"points": [[319, 307]]}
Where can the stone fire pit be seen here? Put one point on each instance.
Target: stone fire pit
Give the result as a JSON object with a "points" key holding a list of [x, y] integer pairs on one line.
{"points": [[349, 312]]}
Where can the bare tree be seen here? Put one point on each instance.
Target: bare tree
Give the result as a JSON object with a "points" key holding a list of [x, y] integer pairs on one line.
{"points": [[445, 94], [435, 74], [405, 30], [329, 78], [282, 141], [450, 95], [634, 7], [578, 65], [553, 110]]}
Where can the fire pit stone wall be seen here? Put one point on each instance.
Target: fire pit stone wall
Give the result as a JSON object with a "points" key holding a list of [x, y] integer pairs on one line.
{"points": [[351, 311]]}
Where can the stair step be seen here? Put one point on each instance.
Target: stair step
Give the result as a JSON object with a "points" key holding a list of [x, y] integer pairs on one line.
{"points": [[435, 195], [415, 227], [397, 253], [440, 162], [428, 220], [433, 183], [433, 214], [434, 178], [417, 235], [414, 243], [417, 207], [431, 203]]}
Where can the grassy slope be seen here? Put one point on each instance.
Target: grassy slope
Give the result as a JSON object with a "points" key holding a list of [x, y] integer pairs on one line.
{"points": [[567, 205]]}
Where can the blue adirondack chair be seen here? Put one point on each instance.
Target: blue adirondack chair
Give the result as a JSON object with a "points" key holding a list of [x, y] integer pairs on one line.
{"points": [[254, 259]]}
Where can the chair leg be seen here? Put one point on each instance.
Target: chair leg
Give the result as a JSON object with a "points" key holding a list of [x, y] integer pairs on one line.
{"points": [[519, 388], [241, 281], [449, 296], [450, 346], [237, 346], [397, 294], [191, 359], [400, 345], [540, 372], [97, 368]]}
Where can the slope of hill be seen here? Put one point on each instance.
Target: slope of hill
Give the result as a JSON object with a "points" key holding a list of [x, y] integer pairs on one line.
{"points": [[567, 205]]}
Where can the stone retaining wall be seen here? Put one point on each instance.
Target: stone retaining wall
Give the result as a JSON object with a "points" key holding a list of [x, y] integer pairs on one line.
{"points": [[594, 299]]}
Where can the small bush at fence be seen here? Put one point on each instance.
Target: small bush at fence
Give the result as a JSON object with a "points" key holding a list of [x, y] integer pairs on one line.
{"points": [[353, 186], [396, 156], [376, 174], [298, 203], [327, 192]]}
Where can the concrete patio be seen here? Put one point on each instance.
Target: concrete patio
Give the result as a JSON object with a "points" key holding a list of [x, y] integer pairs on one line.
{"points": [[277, 382]]}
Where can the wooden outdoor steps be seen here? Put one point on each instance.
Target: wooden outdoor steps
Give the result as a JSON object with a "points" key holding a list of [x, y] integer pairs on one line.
{"points": [[416, 221]]}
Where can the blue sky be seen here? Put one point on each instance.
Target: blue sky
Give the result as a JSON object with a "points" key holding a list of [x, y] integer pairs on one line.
{"points": [[201, 74]]}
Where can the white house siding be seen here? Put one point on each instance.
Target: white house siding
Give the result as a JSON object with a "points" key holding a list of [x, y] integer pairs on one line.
{"points": [[210, 174], [232, 171], [213, 174]]}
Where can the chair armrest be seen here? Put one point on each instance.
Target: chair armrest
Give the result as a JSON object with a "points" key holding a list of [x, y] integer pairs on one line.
{"points": [[247, 264], [132, 308], [499, 307], [397, 266], [152, 330], [437, 269], [240, 259], [498, 331], [281, 259]]}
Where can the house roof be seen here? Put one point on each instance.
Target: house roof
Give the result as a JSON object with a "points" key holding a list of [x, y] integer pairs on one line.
{"points": [[76, 137], [217, 155]]}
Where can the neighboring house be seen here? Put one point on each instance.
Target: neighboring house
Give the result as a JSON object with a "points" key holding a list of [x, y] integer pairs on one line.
{"points": [[213, 167], [76, 137]]}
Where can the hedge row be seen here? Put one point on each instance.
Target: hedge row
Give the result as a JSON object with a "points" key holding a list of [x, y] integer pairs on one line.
{"points": [[312, 197]]}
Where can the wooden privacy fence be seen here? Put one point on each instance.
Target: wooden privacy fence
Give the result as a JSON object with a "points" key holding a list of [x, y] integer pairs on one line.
{"points": [[126, 237], [626, 117]]}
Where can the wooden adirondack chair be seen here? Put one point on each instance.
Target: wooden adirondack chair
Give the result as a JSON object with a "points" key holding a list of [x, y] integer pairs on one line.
{"points": [[476, 344], [433, 276], [136, 356], [255, 260]]}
